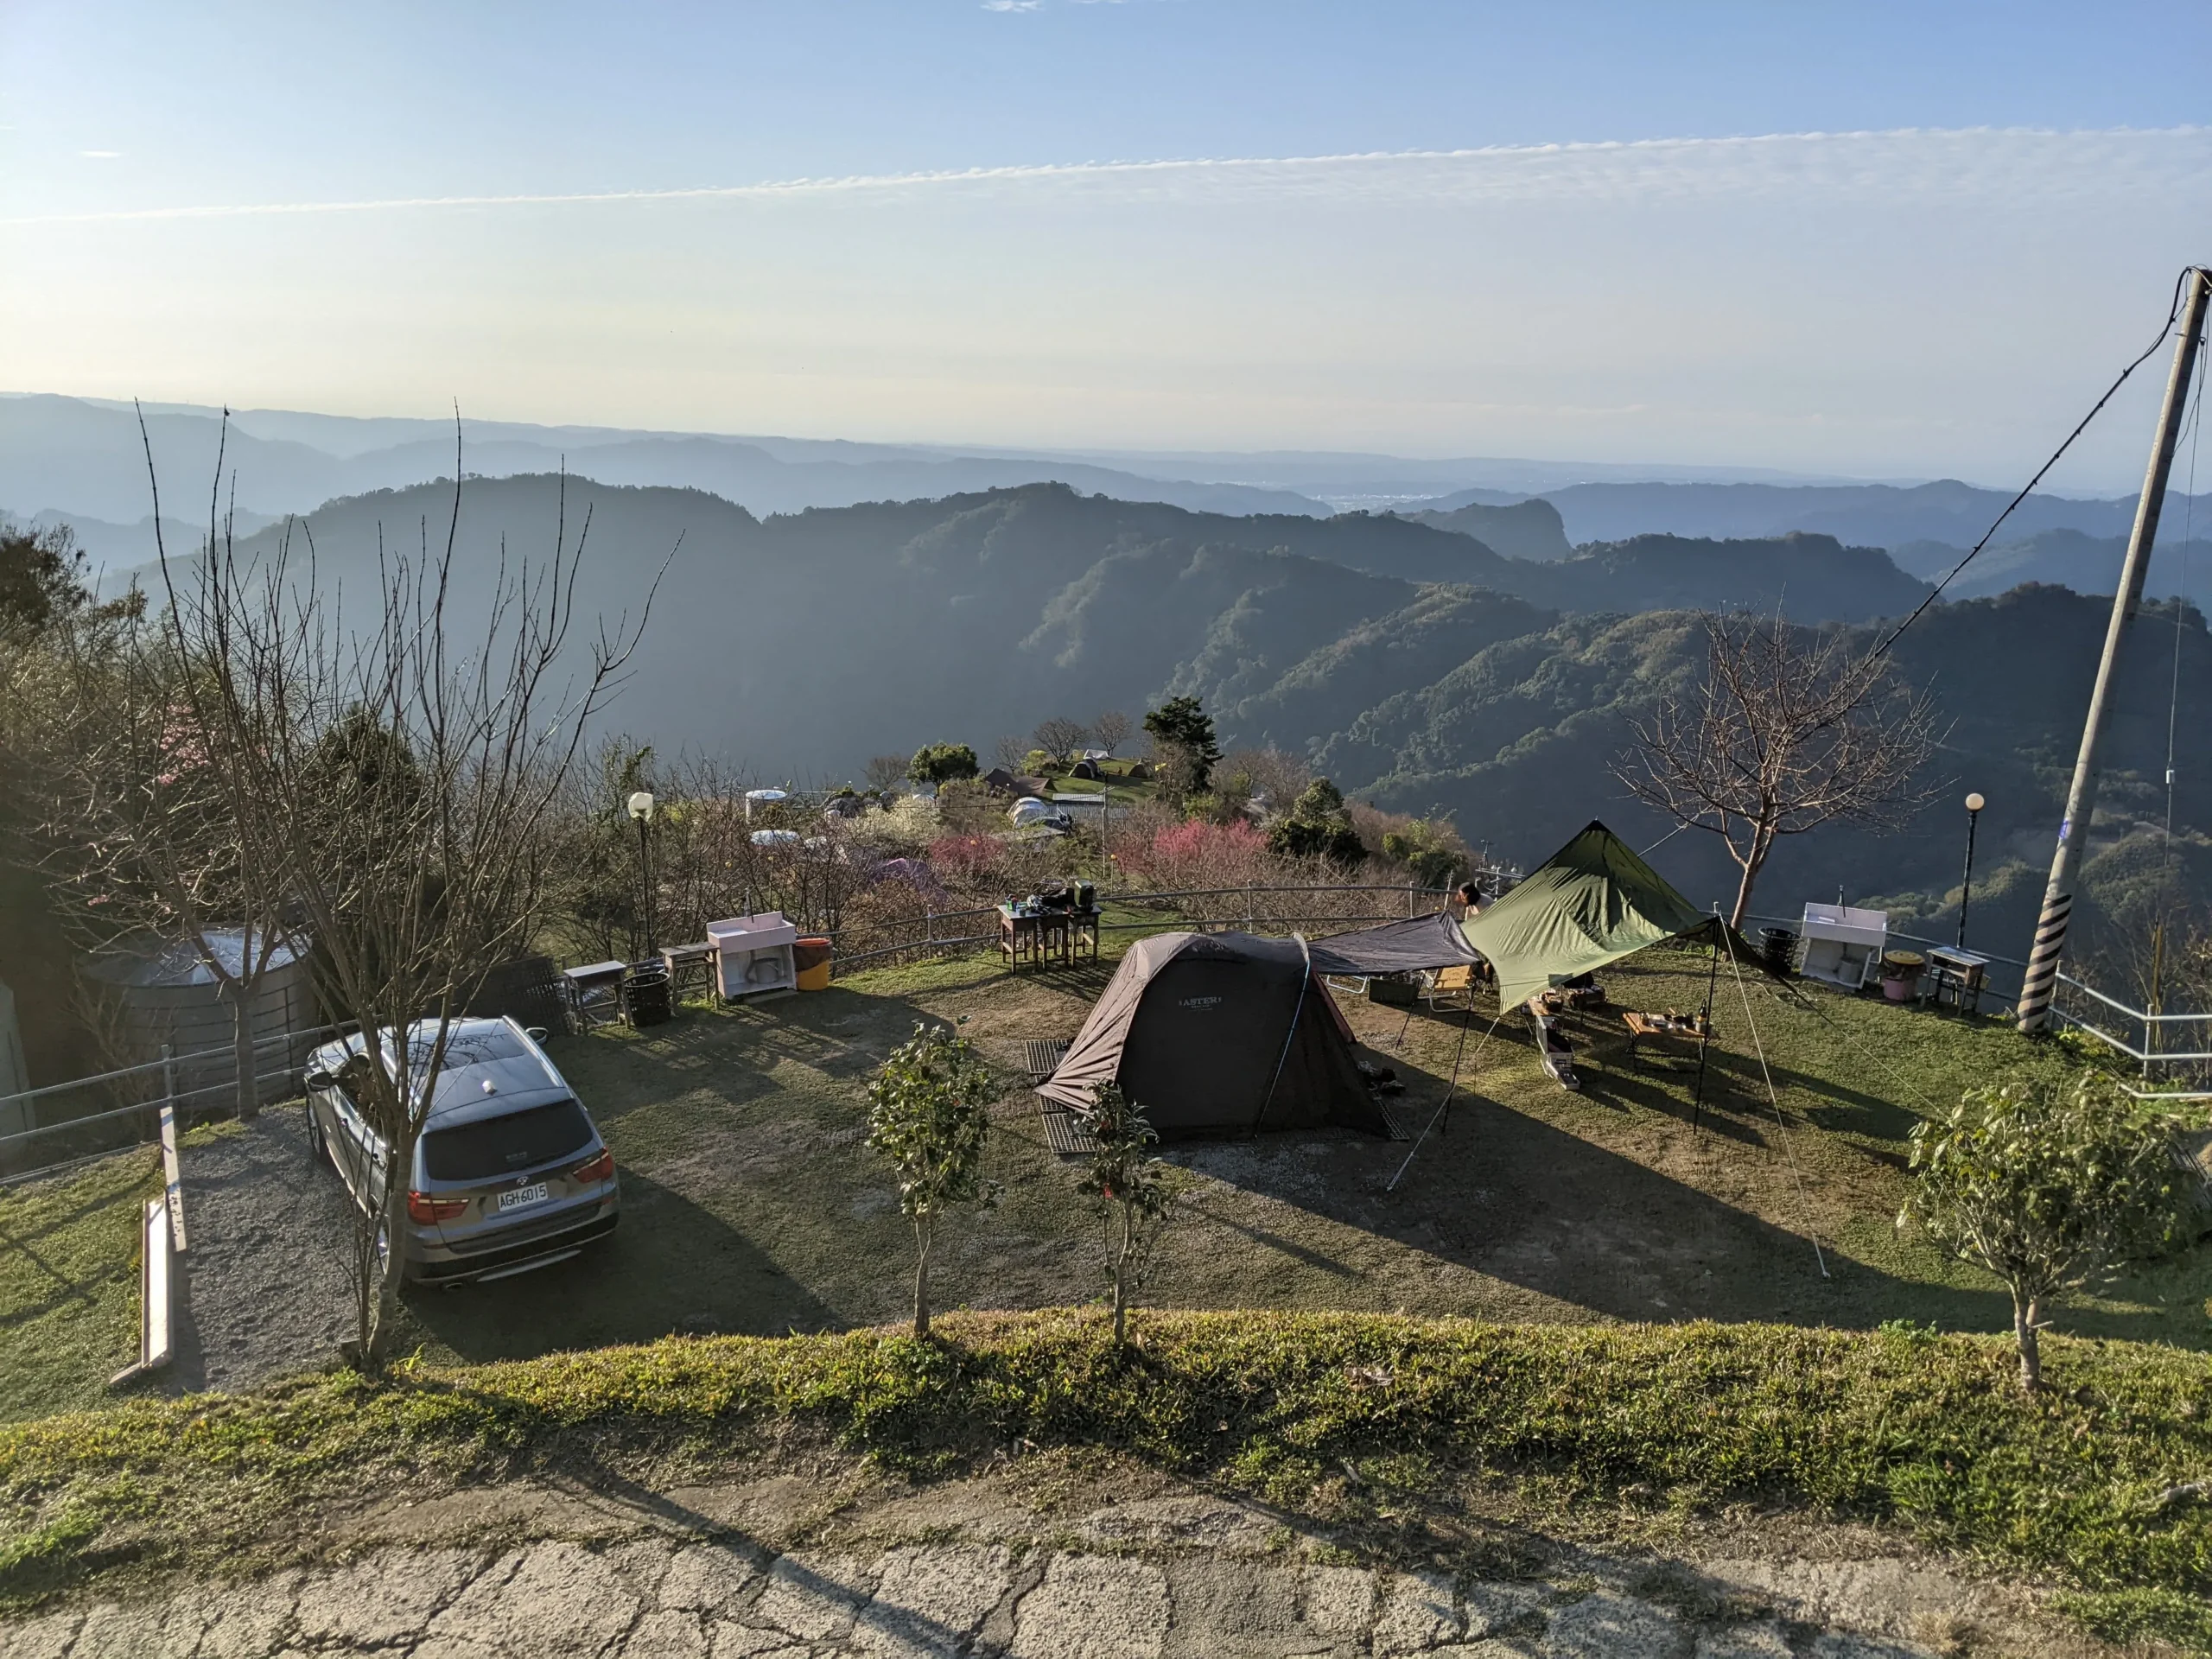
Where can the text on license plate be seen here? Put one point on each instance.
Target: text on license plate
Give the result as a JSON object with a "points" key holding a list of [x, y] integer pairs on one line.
{"points": [[519, 1196]]}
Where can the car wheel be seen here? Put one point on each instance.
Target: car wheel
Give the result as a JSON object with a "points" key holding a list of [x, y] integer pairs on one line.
{"points": [[383, 1247], [318, 1142]]}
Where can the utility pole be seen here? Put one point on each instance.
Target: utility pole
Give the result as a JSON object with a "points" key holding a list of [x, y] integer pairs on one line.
{"points": [[2042, 980]]}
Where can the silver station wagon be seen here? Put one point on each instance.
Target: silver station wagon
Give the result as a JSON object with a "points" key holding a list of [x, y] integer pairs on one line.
{"points": [[510, 1172]]}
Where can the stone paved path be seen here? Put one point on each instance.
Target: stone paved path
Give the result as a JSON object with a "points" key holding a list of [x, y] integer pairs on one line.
{"points": [[667, 1597]]}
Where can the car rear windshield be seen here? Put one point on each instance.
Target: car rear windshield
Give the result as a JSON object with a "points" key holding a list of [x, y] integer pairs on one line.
{"points": [[493, 1147]]}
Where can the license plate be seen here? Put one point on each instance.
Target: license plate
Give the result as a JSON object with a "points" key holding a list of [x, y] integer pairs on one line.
{"points": [[521, 1197]]}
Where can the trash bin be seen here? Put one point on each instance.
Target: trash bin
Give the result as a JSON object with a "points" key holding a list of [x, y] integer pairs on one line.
{"points": [[1777, 948], [645, 994], [810, 960]]}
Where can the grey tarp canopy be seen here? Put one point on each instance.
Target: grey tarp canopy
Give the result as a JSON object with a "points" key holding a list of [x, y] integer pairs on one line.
{"points": [[1431, 941], [1219, 1034], [1592, 902]]}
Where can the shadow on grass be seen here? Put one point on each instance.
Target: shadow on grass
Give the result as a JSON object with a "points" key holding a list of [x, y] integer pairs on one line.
{"points": [[670, 1268]]}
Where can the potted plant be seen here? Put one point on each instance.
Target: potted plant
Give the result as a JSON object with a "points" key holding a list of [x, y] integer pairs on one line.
{"points": [[1901, 974]]}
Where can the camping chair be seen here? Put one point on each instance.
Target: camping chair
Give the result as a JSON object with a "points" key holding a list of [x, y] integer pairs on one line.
{"points": [[1440, 985]]}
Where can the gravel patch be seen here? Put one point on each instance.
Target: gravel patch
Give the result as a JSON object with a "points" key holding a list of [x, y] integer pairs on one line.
{"points": [[268, 1276]]}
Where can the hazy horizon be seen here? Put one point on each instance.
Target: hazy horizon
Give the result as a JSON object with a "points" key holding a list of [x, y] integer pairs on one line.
{"points": [[1903, 244]]}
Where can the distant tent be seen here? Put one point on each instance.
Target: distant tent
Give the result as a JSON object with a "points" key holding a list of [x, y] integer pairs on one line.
{"points": [[1220, 1033], [1592, 902]]}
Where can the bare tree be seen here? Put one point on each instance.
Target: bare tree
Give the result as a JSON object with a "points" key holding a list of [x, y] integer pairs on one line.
{"points": [[1012, 752], [1112, 729], [885, 771], [1790, 730], [153, 852], [1060, 737], [1276, 777], [157, 846], [402, 781]]}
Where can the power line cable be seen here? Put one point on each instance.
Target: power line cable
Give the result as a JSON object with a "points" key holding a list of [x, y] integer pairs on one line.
{"points": [[2165, 330]]}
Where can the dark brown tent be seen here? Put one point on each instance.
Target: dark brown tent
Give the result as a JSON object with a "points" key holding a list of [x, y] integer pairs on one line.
{"points": [[1219, 1034]]}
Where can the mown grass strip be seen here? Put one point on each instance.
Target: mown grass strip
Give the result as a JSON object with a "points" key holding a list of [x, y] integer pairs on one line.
{"points": [[1928, 1433]]}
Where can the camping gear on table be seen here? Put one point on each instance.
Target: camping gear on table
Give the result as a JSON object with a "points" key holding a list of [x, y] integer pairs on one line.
{"points": [[753, 954], [810, 963], [1217, 1033]]}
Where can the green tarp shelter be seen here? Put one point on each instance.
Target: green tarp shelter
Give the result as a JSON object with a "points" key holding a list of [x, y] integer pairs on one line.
{"points": [[1592, 902]]}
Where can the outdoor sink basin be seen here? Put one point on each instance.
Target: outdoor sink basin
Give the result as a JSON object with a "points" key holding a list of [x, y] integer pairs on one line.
{"points": [[762, 932]]}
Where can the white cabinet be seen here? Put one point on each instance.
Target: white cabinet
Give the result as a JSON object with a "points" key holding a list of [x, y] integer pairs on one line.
{"points": [[753, 954], [1843, 945]]}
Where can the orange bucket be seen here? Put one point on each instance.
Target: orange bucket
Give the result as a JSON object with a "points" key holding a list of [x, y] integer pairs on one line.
{"points": [[810, 960]]}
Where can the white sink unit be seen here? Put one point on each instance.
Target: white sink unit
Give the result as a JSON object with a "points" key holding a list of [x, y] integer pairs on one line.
{"points": [[1843, 945], [753, 954]]}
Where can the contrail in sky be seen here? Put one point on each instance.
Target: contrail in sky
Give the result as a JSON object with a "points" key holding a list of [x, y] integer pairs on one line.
{"points": [[1915, 159]]}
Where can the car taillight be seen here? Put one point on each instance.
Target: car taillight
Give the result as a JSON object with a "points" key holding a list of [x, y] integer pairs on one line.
{"points": [[421, 1206], [599, 1169]]}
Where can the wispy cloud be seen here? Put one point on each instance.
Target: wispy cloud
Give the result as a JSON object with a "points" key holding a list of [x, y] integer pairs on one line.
{"points": [[1011, 5], [1984, 164], [99, 155]]}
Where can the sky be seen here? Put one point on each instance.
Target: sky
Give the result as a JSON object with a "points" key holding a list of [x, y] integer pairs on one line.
{"points": [[1859, 239]]}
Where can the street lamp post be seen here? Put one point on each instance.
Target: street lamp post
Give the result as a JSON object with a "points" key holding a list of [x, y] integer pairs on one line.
{"points": [[641, 809], [1974, 804]]}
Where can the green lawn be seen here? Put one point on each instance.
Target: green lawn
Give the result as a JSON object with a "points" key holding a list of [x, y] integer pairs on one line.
{"points": [[69, 1283], [752, 1205]]}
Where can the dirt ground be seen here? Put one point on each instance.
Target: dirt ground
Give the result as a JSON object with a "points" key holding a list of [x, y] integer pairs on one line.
{"points": [[750, 1204]]}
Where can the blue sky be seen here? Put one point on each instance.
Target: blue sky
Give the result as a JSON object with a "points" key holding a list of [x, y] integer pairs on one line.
{"points": [[1928, 296]]}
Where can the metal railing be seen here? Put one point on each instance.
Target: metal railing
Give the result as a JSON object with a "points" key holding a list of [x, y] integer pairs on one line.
{"points": [[2129, 1032], [68, 1136], [1187, 908]]}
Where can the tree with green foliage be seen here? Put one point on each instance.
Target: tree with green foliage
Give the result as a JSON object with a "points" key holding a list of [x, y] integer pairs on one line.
{"points": [[1183, 733], [1430, 847], [2048, 1184], [1133, 1184], [1318, 826], [941, 763], [930, 1118], [46, 579]]}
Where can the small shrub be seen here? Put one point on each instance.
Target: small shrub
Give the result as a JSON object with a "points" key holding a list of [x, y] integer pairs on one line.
{"points": [[2046, 1184], [930, 1118], [1132, 1183]]}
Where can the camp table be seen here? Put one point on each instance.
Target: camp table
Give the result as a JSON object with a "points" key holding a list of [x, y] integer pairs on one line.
{"points": [[1641, 1026], [595, 995], [1048, 936]]}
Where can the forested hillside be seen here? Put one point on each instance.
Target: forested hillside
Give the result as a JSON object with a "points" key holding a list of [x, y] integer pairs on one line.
{"points": [[1414, 665]]}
